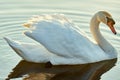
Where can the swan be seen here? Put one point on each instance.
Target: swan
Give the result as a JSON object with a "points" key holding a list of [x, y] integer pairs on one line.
{"points": [[61, 42]]}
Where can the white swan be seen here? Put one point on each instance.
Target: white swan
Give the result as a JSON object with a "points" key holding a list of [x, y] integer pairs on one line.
{"points": [[62, 42]]}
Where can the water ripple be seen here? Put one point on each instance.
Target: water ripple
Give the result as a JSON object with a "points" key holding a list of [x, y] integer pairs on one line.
{"points": [[14, 13]]}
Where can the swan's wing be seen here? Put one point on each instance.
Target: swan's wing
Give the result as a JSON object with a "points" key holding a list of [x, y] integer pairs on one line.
{"points": [[63, 38], [30, 51], [60, 36]]}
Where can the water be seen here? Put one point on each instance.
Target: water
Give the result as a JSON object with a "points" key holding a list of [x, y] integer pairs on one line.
{"points": [[14, 13]]}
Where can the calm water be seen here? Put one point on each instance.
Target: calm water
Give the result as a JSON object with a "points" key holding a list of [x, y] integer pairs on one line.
{"points": [[14, 13]]}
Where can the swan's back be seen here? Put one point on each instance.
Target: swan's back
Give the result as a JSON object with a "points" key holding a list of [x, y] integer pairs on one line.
{"points": [[61, 37]]}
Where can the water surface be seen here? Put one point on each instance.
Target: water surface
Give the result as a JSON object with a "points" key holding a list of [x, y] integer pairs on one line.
{"points": [[14, 13]]}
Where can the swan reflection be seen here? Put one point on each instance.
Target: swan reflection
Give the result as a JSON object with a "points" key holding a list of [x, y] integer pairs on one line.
{"points": [[45, 71]]}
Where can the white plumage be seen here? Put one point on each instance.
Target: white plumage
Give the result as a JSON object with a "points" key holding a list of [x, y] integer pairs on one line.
{"points": [[61, 42]]}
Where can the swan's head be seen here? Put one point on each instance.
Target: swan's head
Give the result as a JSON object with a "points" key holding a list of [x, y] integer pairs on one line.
{"points": [[107, 19]]}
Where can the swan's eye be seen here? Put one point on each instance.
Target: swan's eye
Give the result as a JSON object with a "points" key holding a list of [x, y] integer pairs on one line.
{"points": [[110, 20]]}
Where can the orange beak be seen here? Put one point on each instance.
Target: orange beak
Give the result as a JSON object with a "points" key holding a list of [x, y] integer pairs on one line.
{"points": [[110, 24]]}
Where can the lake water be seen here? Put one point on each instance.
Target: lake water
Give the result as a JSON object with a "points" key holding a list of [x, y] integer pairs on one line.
{"points": [[14, 13]]}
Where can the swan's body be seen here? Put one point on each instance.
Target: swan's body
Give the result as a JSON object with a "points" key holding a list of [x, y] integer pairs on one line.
{"points": [[63, 42]]}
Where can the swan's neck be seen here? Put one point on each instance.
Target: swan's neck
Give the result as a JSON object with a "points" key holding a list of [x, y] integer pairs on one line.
{"points": [[94, 27]]}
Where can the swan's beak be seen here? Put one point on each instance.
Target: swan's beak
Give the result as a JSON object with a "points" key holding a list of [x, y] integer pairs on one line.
{"points": [[111, 26]]}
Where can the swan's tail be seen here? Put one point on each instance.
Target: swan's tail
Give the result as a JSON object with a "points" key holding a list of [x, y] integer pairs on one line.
{"points": [[29, 52], [12, 43], [16, 46]]}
